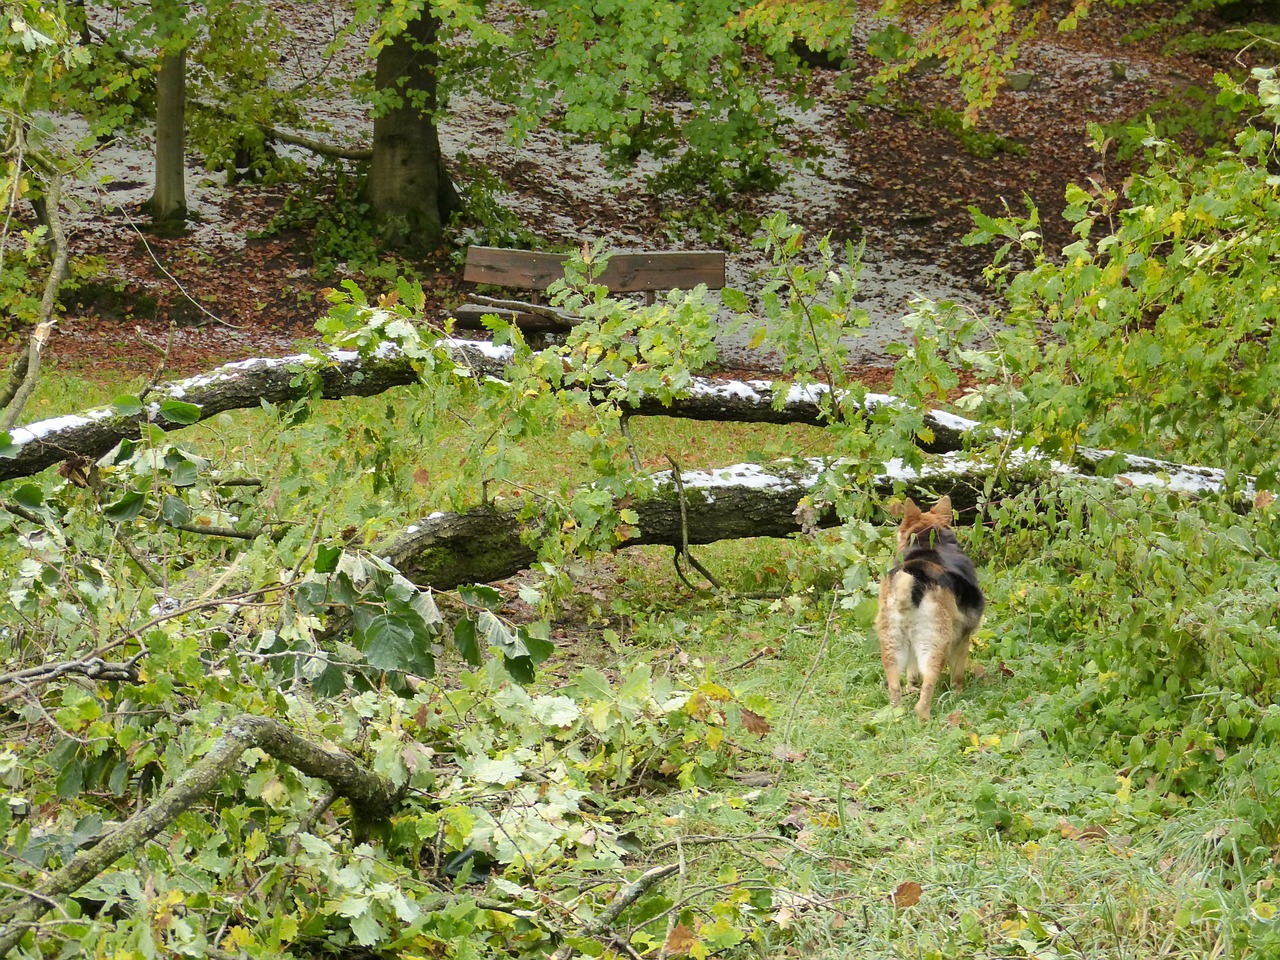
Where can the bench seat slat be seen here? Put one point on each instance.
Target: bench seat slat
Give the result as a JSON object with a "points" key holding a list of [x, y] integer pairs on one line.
{"points": [[626, 272], [469, 316]]}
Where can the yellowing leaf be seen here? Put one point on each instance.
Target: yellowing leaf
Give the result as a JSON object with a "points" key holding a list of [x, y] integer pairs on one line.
{"points": [[598, 714], [237, 938], [274, 792], [255, 845], [715, 692]]}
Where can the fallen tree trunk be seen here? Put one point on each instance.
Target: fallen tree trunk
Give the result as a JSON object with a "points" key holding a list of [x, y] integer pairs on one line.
{"points": [[737, 502], [247, 383], [372, 799]]}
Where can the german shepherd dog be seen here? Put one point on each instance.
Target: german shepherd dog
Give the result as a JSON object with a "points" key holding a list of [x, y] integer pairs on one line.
{"points": [[930, 604]]}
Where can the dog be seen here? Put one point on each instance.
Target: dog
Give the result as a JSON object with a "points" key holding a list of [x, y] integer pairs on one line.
{"points": [[930, 604]]}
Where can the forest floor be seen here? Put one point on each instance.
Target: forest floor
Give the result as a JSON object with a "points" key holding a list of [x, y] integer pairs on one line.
{"points": [[899, 175]]}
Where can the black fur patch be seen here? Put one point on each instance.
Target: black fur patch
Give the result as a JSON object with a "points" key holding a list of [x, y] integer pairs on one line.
{"points": [[942, 565]]}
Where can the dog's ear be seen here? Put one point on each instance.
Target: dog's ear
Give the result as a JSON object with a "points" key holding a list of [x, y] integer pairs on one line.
{"points": [[942, 510], [910, 510]]}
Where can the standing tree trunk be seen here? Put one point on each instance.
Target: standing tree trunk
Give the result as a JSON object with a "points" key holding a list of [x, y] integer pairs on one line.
{"points": [[169, 202], [409, 189]]}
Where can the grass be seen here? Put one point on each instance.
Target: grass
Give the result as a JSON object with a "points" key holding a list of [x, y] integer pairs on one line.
{"points": [[1020, 847]]}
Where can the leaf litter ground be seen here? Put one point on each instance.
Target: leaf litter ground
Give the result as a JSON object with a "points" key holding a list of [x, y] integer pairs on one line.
{"points": [[885, 174]]}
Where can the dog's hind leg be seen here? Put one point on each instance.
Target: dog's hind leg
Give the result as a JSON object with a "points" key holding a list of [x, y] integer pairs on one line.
{"points": [[889, 628], [966, 626], [931, 640], [959, 658]]}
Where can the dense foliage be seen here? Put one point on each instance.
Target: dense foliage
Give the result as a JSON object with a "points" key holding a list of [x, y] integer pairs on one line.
{"points": [[1153, 331]]}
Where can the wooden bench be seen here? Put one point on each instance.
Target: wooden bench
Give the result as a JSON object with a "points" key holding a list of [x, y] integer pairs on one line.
{"points": [[525, 270]]}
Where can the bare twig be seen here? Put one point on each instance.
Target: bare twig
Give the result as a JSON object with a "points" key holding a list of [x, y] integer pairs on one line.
{"points": [[45, 319], [146, 566], [164, 357], [625, 898], [18, 510], [311, 544], [684, 533], [208, 530], [680, 879], [35, 346], [808, 677], [624, 424], [762, 652], [520, 306], [95, 668], [305, 825]]}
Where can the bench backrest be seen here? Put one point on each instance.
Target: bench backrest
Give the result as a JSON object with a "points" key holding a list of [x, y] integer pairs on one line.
{"points": [[626, 272]]}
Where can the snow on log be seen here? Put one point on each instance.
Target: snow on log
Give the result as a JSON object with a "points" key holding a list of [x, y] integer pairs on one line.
{"points": [[738, 502], [233, 386], [248, 383]]}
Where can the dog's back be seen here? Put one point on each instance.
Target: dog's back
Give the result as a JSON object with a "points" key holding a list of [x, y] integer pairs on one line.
{"points": [[930, 605]]}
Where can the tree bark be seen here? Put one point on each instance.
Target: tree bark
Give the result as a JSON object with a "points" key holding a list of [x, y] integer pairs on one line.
{"points": [[410, 192], [737, 502], [372, 798], [235, 386], [246, 383], [169, 202]]}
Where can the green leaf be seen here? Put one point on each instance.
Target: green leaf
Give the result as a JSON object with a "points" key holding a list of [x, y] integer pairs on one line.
{"points": [[174, 510], [464, 639], [178, 411], [70, 780], [184, 473], [126, 508], [331, 682], [480, 595], [119, 778], [8, 449], [538, 645], [390, 643], [367, 930], [495, 633], [520, 669], [127, 405], [735, 300], [327, 557], [30, 496], [311, 596]]}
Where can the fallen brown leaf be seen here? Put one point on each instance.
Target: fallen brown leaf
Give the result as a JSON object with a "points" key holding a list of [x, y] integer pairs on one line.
{"points": [[755, 723], [679, 940], [907, 894]]}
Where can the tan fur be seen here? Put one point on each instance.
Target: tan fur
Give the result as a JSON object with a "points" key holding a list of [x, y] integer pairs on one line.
{"points": [[917, 640]]}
